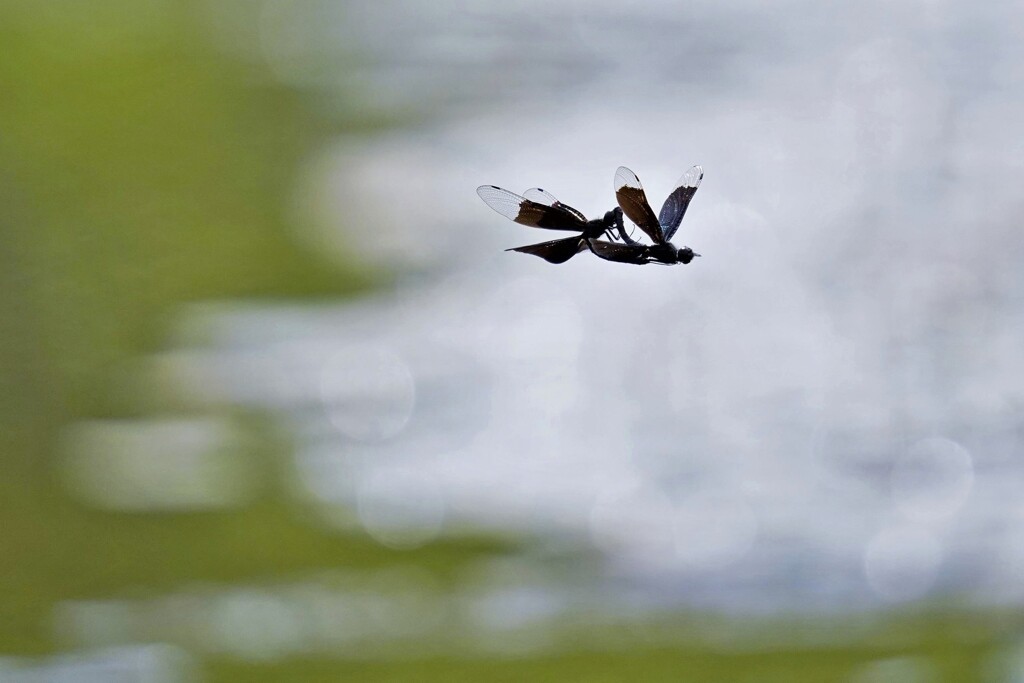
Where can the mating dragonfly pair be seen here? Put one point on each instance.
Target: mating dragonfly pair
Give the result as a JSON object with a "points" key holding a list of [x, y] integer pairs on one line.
{"points": [[539, 209]]}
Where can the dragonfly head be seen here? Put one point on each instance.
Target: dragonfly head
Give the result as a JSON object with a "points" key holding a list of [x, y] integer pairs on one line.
{"points": [[686, 255]]}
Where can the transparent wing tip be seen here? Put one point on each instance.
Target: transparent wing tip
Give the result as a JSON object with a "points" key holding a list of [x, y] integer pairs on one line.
{"points": [[504, 202], [625, 177], [692, 177], [540, 195]]}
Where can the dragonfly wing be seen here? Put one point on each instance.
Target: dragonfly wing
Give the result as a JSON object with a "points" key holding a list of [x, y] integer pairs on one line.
{"points": [[527, 212], [555, 251], [674, 208], [535, 194], [631, 197]]}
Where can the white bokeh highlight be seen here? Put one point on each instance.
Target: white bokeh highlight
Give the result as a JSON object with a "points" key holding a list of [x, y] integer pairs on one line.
{"points": [[901, 563], [368, 392], [401, 508], [824, 409], [932, 480]]}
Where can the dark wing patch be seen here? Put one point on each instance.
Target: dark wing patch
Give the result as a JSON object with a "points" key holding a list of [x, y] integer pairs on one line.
{"points": [[536, 194], [527, 212], [674, 208], [555, 251], [623, 253], [631, 197]]}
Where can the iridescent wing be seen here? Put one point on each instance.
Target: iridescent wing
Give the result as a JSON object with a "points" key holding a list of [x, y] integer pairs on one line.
{"points": [[623, 253], [527, 212], [631, 197], [555, 251], [535, 194], [674, 208]]}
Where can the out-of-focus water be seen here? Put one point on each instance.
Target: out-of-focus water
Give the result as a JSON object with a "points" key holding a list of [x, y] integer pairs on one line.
{"points": [[822, 413]]}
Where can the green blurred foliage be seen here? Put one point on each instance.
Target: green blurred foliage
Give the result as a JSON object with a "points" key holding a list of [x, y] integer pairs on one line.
{"points": [[943, 660], [141, 169]]}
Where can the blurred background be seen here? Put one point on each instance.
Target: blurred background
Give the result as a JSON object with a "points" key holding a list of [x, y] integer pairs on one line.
{"points": [[277, 406]]}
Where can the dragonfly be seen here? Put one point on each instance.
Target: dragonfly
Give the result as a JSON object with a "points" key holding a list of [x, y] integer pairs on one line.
{"points": [[661, 228], [539, 208]]}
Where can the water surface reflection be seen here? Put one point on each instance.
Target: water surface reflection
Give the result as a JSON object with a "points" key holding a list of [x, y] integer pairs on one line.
{"points": [[823, 413]]}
